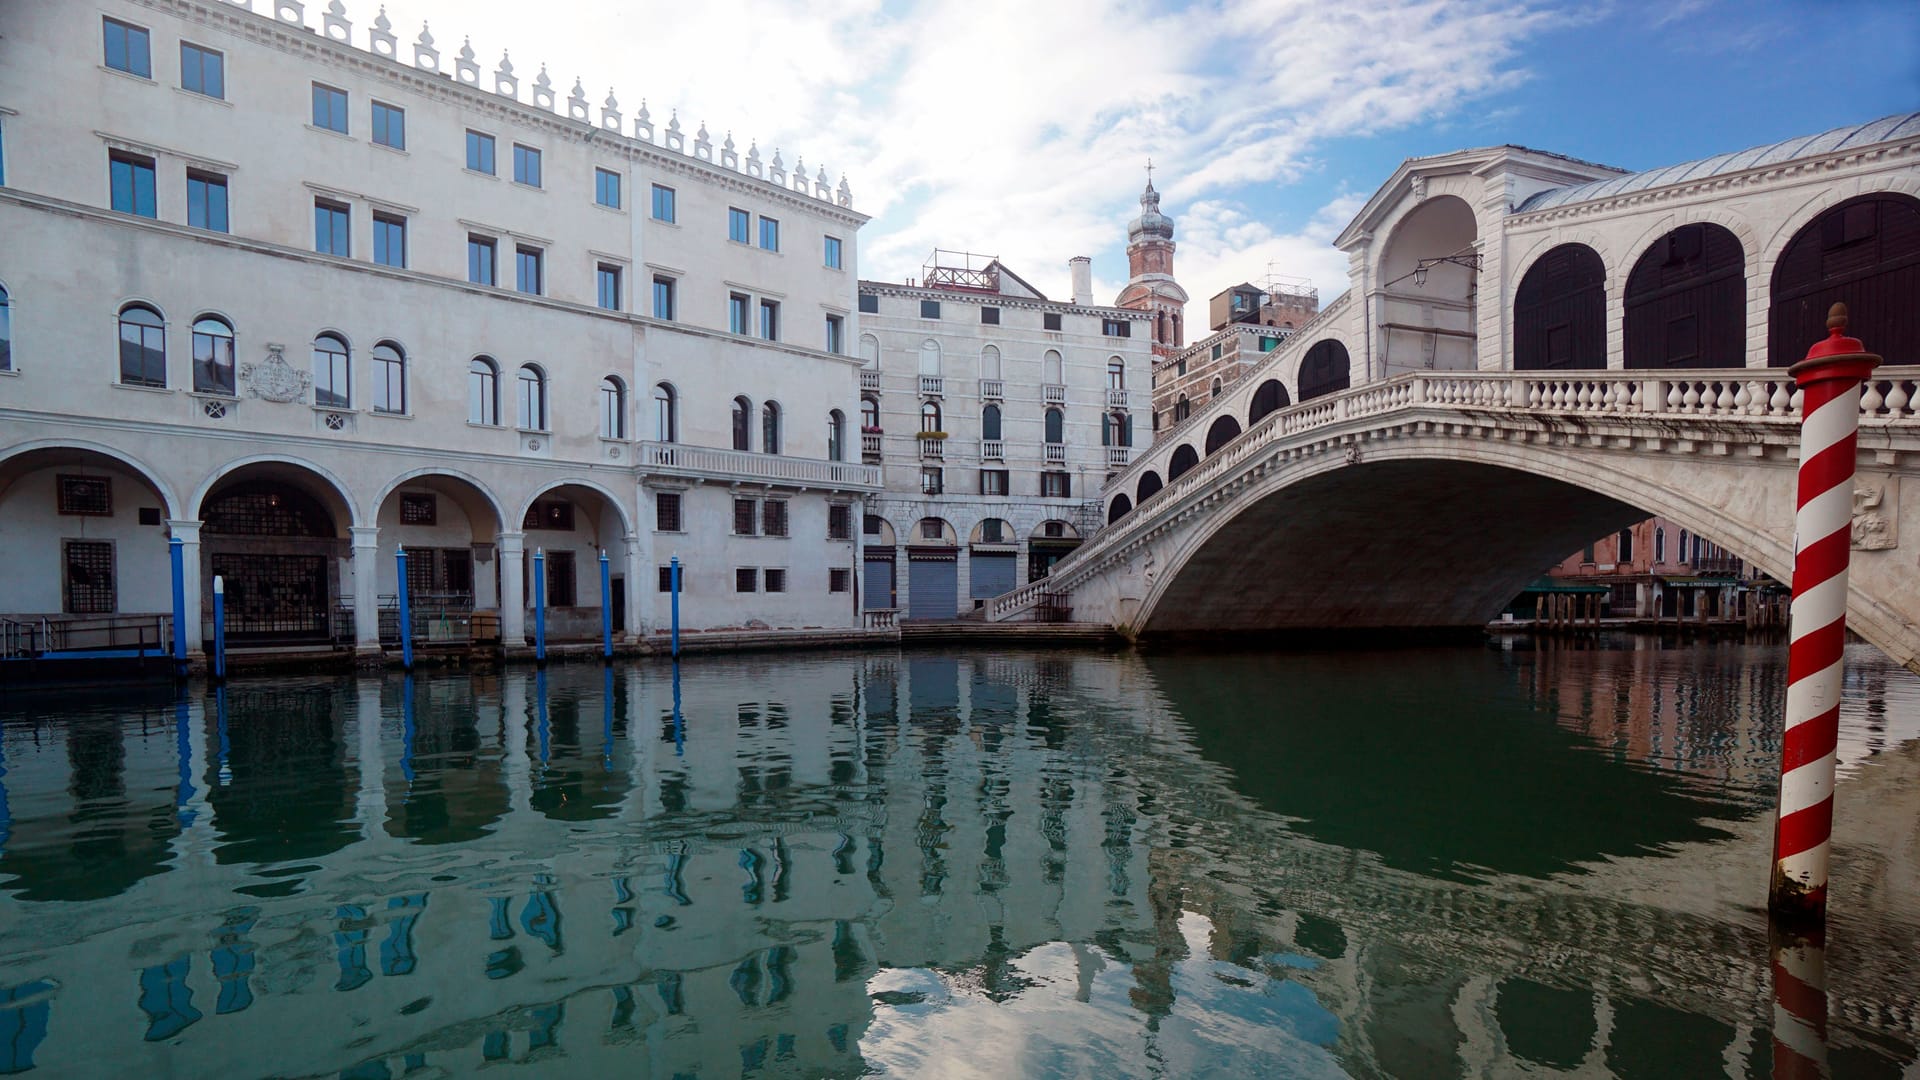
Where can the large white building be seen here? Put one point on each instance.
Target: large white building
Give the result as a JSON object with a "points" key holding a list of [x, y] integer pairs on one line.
{"points": [[997, 415], [296, 292]]}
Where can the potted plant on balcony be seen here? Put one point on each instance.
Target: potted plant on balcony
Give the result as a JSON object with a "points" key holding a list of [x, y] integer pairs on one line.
{"points": [[933, 434], [866, 430]]}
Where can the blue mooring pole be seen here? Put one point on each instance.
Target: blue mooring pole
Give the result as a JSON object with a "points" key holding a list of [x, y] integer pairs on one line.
{"points": [[219, 628], [540, 604], [606, 607], [673, 572], [174, 552], [406, 611]]}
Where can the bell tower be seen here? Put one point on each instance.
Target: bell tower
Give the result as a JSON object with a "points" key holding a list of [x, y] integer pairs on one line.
{"points": [[1151, 286]]}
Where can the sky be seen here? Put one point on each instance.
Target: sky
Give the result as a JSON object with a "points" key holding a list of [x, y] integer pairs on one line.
{"points": [[1022, 128]]}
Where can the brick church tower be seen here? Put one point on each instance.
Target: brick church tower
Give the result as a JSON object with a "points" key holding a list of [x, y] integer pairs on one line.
{"points": [[1150, 268]]}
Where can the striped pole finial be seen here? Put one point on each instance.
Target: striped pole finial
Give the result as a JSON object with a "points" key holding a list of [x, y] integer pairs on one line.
{"points": [[1829, 379]]}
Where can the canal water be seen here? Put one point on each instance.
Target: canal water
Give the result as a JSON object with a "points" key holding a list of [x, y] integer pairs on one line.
{"points": [[1469, 861]]}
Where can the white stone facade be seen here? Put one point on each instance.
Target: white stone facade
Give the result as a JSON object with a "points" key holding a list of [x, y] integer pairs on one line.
{"points": [[114, 122], [1093, 370]]}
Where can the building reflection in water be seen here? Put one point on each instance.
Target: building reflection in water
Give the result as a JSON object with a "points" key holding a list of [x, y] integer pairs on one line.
{"points": [[1173, 865]]}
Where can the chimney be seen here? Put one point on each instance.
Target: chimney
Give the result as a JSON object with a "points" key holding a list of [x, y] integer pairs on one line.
{"points": [[1081, 268]]}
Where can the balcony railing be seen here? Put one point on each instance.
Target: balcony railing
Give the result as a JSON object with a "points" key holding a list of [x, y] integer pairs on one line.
{"points": [[1119, 457], [870, 380], [932, 449], [870, 444], [993, 389], [993, 450], [1056, 453], [932, 384], [1117, 397], [1053, 395], [675, 459]]}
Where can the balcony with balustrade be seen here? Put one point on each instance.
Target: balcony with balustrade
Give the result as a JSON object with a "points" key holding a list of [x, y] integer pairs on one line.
{"points": [[993, 390], [712, 463], [933, 385], [1053, 394], [933, 446], [993, 450], [1056, 453], [1117, 398], [870, 447], [1119, 457], [870, 381]]}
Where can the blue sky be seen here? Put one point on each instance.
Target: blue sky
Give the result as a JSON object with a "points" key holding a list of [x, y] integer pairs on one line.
{"points": [[1020, 128]]}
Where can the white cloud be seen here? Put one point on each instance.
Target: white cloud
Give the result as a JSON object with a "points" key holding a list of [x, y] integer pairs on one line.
{"points": [[1019, 129]]}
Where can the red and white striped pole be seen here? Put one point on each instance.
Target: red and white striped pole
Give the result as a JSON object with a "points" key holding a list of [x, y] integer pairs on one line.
{"points": [[1829, 380], [1799, 1006]]}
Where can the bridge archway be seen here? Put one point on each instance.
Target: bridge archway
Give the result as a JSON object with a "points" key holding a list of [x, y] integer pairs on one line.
{"points": [[1865, 253], [1326, 369], [1149, 486], [1269, 398], [1120, 507], [1224, 430], [1560, 312], [1183, 459], [1686, 301], [1423, 309]]}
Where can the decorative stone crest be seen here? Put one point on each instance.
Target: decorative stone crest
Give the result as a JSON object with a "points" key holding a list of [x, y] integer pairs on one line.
{"points": [[1876, 512], [273, 379]]}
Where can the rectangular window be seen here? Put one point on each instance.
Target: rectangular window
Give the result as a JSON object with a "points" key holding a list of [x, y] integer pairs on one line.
{"points": [[663, 207], [1268, 344], [662, 297], [666, 578], [931, 529], [932, 481], [839, 580], [746, 515], [839, 522], [560, 580], [1116, 328], [1056, 485], [482, 255], [85, 496], [666, 511], [555, 514], [389, 381], [419, 509], [836, 334], [206, 201], [776, 580], [203, 70], [746, 579], [769, 234], [1215, 355], [607, 281], [737, 312], [770, 320], [606, 188], [526, 165], [329, 108], [89, 577], [480, 152], [870, 303], [1050, 320], [127, 48], [527, 269], [833, 253], [331, 232], [773, 517], [390, 240], [990, 316], [993, 481], [738, 222], [132, 181], [389, 126], [929, 309]]}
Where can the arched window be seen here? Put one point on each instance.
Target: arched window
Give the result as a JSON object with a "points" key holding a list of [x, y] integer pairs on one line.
{"points": [[1056, 426], [613, 408], [666, 414], [770, 428], [990, 362], [1685, 304], [1325, 369], [929, 357], [1149, 485], [1560, 312], [1116, 374], [742, 424], [1051, 369], [1681, 555], [531, 396], [869, 351], [1183, 459], [836, 436], [6, 330], [1659, 545], [143, 346], [1116, 429], [212, 356], [1269, 398], [1223, 431], [1864, 253], [1181, 409], [1160, 328], [389, 378], [332, 372], [990, 423], [869, 416], [1214, 390], [483, 392], [1120, 507], [930, 416]]}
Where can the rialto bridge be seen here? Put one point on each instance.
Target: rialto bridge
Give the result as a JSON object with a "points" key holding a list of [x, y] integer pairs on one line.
{"points": [[1535, 351]]}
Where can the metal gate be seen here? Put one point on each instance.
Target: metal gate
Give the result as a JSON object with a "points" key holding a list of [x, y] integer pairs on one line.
{"points": [[990, 574], [933, 587], [880, 584], [274, 597]]}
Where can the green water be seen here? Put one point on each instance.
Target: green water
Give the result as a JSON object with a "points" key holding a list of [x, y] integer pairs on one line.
{"points": [[1422, 863]]}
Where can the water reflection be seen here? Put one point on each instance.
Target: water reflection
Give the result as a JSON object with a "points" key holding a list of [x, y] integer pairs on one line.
{"points": [[1423, 863]]}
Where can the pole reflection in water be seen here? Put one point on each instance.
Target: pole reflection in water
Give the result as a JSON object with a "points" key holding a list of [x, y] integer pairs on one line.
{"points": [[1033, 865]]}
